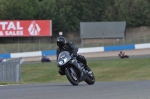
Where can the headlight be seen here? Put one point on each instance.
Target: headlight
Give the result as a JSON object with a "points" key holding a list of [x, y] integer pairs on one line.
{"points": [[62, 61], [65, 60]]}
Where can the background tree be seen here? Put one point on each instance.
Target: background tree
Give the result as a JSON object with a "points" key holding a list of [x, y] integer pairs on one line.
{"points": [[134, 12], [66, 15]]}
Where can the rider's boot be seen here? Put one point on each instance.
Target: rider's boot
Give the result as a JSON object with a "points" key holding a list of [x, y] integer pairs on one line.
{"points": [[88, 69]]}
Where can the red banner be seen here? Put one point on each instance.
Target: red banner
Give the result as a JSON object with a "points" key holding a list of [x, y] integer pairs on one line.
{"points": [[14, 28]]}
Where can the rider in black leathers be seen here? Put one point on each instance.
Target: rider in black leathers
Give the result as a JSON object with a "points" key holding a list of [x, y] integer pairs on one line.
{"points": [[70, 47]]}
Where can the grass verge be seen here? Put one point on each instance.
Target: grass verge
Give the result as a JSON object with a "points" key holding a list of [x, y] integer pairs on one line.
{"points": [[106, 70]]}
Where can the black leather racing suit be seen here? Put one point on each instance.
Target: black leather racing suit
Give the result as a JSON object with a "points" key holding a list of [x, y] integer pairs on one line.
{"points": [[71, 47]]}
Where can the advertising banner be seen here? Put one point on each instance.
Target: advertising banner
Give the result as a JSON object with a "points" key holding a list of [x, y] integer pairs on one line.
{"points": [[25, 28]]}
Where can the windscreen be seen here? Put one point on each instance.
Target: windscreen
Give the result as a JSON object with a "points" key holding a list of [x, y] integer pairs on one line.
{"points": [[63, 54]]}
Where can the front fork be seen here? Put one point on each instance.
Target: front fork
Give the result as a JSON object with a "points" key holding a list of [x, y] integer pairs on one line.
{"points": [[82, 71], [76, 64]]}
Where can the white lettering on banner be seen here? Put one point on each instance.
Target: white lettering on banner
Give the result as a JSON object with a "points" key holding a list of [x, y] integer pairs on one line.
{"points": [[11, 29], [11, 25], [13, 33], [3, 25], [19, 27]]}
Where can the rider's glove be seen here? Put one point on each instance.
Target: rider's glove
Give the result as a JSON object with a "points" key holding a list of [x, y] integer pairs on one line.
{"points": [[74, 57]]}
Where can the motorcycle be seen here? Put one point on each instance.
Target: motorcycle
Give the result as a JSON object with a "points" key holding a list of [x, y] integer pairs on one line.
{"points": [[74, 71], [45, 59], [124, 56]]}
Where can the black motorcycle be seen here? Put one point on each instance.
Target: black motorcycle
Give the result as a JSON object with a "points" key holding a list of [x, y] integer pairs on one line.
{"points": [[45, 59], [125, 56], [74, 71]]}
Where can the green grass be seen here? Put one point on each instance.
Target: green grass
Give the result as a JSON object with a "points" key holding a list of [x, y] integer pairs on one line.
{"points": [[106, 70], [122, 70], [40, 73]]}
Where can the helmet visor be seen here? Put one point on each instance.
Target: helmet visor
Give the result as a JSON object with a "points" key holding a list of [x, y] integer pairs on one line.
{"points": [[60, 44]]}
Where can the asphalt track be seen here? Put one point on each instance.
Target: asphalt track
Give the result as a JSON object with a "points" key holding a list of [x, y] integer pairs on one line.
{"points": [[100, 90]]}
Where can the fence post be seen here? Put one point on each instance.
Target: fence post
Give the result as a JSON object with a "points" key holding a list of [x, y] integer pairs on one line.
{"points": [[17, 72], [82, 42], [114, 42], [18, 46], [39, 45], [145, 39]]}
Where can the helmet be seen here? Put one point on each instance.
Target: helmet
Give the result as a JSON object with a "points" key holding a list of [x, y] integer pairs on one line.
{"points": [[61, 41]]}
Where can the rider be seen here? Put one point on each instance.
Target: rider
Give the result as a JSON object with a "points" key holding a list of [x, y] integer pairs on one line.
{"points": [[70, 47], [122, 53], [1, 59], [44, 56]]}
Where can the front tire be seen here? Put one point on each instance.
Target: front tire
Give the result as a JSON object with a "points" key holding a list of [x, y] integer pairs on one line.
{"points": [[91, 78], [70, 77]]}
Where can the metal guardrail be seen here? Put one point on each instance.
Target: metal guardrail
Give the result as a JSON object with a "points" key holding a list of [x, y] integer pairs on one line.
{"points": [[10, 70]]}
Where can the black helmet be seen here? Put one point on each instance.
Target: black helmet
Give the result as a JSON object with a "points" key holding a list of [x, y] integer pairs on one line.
{"points": [[61, 41]]}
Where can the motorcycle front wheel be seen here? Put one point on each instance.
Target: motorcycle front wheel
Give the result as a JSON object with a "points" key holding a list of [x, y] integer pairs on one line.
{"points": [[72, 76]]}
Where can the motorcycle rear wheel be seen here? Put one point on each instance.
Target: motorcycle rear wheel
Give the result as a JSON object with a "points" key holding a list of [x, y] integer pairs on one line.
{"points": [[91, 78]]}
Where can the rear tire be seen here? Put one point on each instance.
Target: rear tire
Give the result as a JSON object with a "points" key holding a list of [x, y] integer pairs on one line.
{"points": [[126, 56], [91, 79], [42, 61], [70, 78]]}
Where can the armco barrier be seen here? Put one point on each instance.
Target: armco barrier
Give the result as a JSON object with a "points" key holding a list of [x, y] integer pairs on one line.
{"points": [[81, 50], [142, 46], [116, 48], [26, 54], [5, 55], [89, 50], [49, 52]]}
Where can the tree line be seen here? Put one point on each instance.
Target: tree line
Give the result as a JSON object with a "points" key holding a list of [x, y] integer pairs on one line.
{"points": [[66, 15]]}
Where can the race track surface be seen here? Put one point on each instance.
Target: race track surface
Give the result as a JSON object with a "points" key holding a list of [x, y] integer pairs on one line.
{"points": [[100, 90]]}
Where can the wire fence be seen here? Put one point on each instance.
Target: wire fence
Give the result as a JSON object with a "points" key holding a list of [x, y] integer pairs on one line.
{"points": [[10, 70], [29, 47], [112, 42]]}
